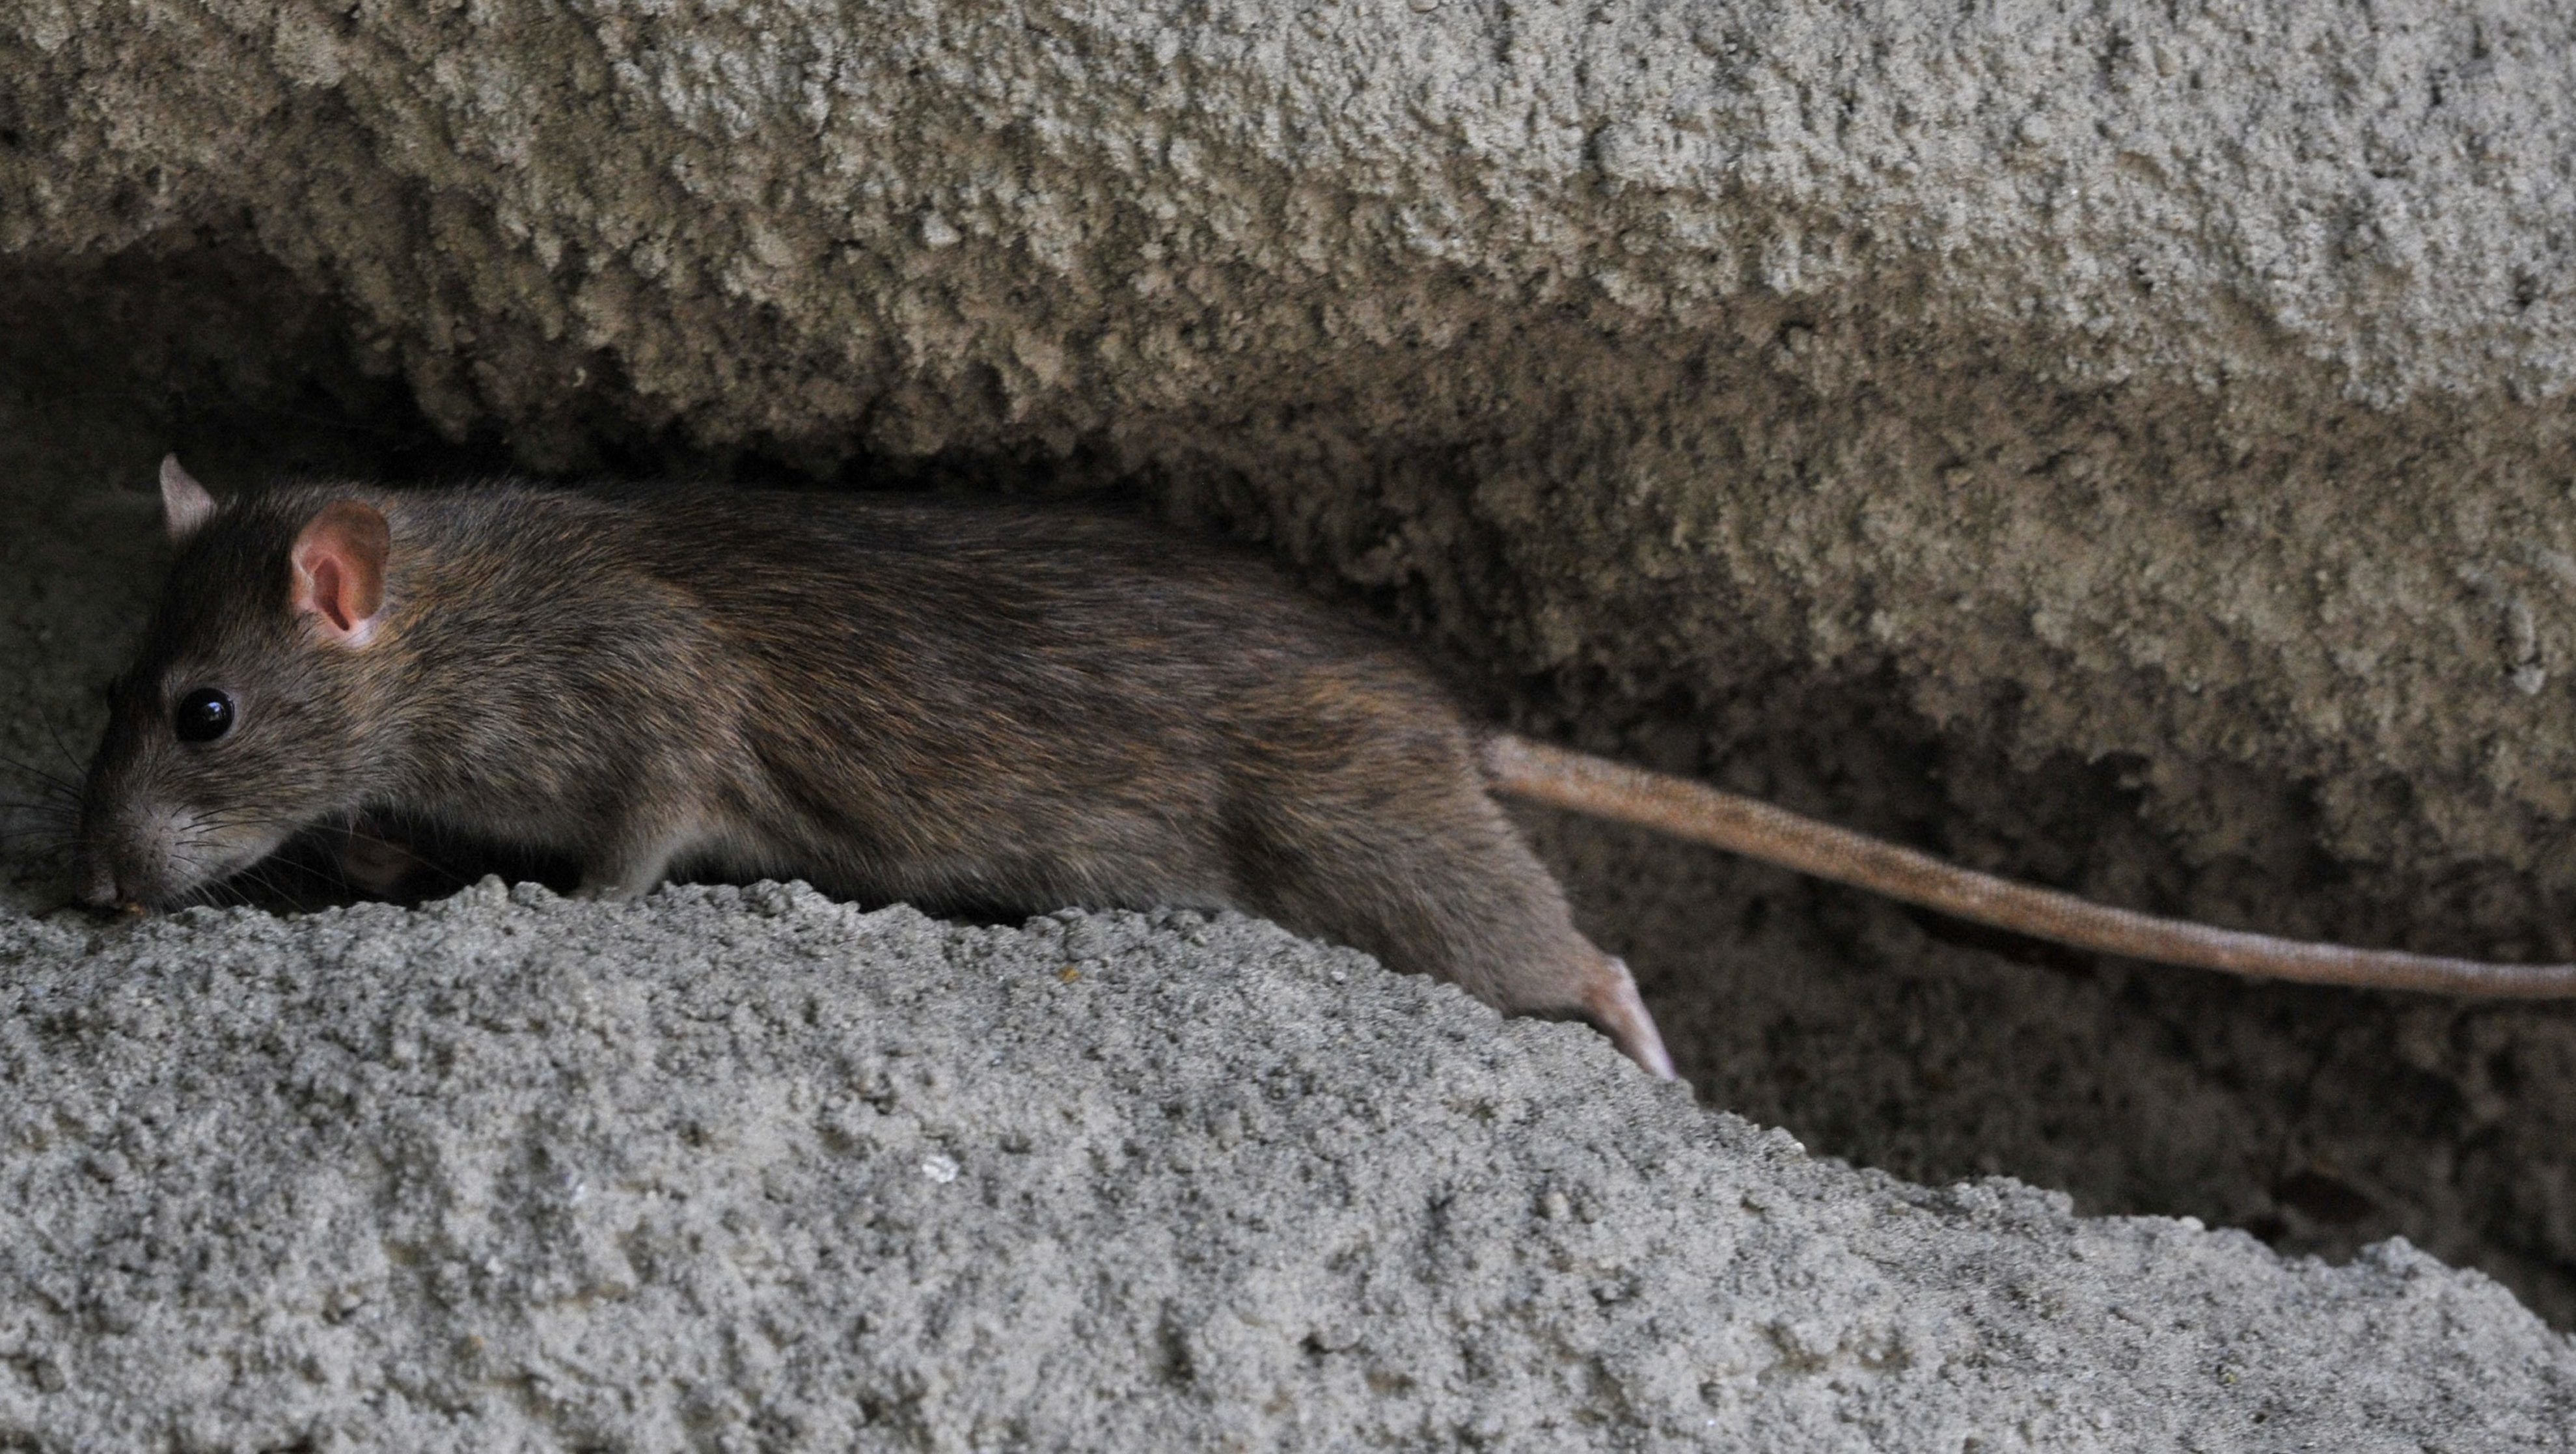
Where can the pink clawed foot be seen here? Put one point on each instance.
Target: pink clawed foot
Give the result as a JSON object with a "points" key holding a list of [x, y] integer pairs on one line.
{"points": [[1611, 1000]]}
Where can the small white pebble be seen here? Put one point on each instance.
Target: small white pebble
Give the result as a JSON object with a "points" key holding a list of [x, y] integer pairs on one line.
{"points": [[941, 1169]]}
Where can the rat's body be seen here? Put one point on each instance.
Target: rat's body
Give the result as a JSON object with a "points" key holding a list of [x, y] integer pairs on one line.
{"points": [[994, 706], [1002, 707]]}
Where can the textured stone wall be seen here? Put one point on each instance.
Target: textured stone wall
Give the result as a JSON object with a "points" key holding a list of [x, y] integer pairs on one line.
{"points": [[2181, 384]]}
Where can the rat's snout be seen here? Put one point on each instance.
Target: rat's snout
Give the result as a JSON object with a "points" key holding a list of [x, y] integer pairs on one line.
{"points": [[94, 859], [156, 854], [95, 880], [141, 855], [158, 825], [124, 857]]}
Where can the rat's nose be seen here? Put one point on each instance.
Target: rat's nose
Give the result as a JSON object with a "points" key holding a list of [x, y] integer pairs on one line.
{"points": [[97, 881]]}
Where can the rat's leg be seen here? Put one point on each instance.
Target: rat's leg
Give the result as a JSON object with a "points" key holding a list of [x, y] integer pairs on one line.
{"points": [[622, 880], [374, 859], [632, 863], [1431, 878]]}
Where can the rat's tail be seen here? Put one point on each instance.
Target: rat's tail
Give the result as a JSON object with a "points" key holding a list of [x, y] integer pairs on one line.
{"points": [[1599, 788]]}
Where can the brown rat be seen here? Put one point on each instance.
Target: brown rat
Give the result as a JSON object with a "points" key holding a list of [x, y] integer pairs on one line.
{"points": [[989, 705]]}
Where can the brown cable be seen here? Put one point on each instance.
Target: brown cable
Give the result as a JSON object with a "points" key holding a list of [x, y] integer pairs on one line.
{"points": [[1601, 788]]}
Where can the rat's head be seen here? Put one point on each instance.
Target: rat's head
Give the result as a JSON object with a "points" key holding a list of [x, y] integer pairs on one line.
{"points": [[242, 718]]}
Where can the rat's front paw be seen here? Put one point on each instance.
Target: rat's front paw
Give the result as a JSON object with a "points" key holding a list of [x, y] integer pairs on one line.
{"points": [[374, 861]]}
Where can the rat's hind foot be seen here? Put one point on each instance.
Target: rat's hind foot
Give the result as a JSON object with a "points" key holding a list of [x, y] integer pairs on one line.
{"points": [[1610, 1001]]}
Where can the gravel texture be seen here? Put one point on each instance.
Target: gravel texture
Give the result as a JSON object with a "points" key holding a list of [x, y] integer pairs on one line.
{"points": [[751, 1169]]}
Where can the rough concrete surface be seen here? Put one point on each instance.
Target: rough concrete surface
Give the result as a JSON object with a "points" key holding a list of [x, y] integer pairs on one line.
{"points": [[2127, 446], [2184, 383], [752, 1169]]}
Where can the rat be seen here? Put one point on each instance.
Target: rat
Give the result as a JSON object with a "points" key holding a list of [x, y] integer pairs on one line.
{"points": [[990, 706], [962, 705]]}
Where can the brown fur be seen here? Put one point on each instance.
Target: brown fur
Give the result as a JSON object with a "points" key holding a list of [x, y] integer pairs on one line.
{"points": [[986, 705]]}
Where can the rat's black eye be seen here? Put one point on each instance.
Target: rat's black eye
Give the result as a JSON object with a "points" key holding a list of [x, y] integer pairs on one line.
{"points": [[204, 715]]}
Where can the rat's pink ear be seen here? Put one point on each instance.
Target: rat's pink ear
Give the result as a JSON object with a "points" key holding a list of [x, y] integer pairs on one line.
{"points": [[185, 505], [340, 570]]}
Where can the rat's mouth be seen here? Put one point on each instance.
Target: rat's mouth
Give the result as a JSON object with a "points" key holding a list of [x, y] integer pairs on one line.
{"points": [[174, 860]]}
